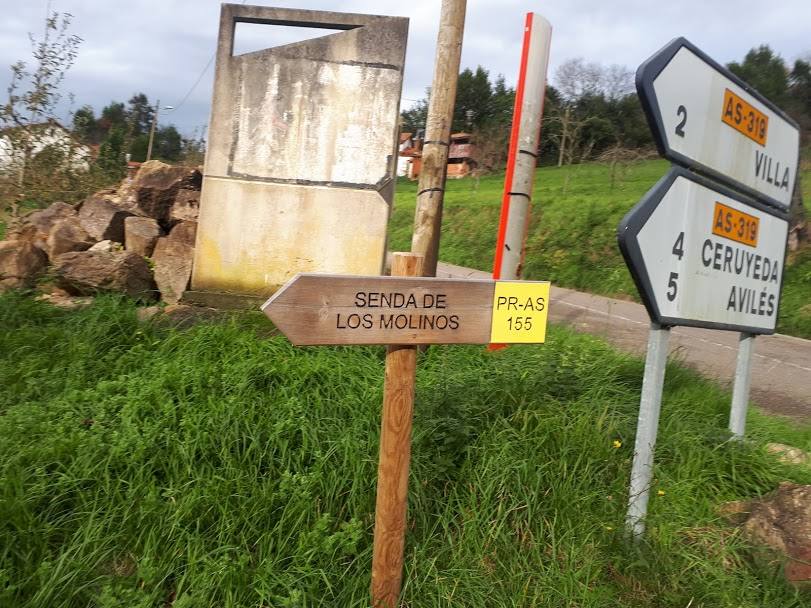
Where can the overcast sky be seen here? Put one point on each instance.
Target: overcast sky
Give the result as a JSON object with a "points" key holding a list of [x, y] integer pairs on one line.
{"points": [[161, 47]]}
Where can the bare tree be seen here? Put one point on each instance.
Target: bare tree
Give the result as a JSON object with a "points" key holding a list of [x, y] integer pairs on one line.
{"points": [[575, 78], [33, 96], [616, 81]]}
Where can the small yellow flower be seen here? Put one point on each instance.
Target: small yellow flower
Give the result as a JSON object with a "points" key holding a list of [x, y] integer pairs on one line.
{"points": [[609, 528], [660, 492], [617, 444]]}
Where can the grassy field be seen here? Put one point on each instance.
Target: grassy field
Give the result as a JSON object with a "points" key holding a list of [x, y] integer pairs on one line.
{"points": [[219, 466], [572, 235]]}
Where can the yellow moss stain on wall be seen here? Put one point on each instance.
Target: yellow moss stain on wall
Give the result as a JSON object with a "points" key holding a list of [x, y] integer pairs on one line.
{"points": [[253, 237]]}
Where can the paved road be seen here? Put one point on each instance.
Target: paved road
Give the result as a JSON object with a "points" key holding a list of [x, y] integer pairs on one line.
{"points": [[781, 366]]}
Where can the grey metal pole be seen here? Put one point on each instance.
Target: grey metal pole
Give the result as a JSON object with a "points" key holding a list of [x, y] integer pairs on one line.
{"points": [[740, 390], [526, 134], [649, 406]]}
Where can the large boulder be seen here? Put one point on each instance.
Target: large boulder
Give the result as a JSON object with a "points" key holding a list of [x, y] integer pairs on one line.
{"points": [[67, 235], [153, 190], [141, 234], [102, 219], [84, 273], [20, 263], [107, 245], [173, 261], [37, 225], [186, 206], [781, 522]]}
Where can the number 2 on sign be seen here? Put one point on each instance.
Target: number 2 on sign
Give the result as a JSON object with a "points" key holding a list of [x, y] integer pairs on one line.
{"points": [[681, 111]]}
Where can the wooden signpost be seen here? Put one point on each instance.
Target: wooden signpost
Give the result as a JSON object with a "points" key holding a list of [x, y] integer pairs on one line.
{"points": [[403, 311], [315, 309]]}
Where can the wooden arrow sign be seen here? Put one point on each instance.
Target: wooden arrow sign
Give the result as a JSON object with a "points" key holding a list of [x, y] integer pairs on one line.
{"points": [[318, 309], [705, 118]]}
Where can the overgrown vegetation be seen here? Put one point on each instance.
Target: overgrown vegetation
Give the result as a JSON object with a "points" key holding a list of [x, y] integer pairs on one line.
{"points": [[39, 163], [219, 466], [592, 109], [572, 235], [41, 160]]}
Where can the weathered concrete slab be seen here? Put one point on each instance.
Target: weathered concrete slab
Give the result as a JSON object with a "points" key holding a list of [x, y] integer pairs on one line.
{"points": [[302, 151]]}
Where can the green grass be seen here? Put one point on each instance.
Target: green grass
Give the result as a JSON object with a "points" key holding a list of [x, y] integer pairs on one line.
{"points": [[220, 466], [572, 234]]}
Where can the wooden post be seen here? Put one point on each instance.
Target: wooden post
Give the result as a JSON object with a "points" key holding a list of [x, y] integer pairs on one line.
{"points": [[395, 456], [152, 130], [431, 185]]}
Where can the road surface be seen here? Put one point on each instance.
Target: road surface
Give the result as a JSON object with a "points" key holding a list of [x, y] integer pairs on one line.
{"points": [[781, 365]]}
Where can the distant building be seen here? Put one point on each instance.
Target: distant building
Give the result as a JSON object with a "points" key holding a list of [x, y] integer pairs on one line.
{"points": [[40, 139], [409, 160], [460, 155]]}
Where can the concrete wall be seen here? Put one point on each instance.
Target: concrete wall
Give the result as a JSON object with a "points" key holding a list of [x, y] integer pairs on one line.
{"points": [[302, 152]]}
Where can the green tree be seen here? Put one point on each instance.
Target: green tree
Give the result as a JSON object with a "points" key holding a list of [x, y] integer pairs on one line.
{"points": [[168, 143], [112, 159], [474, 93], [113, 115], [194, 148], [799, 104], [414, 119], [138, 146], [85, 125], [765, 71], [139, 114]]}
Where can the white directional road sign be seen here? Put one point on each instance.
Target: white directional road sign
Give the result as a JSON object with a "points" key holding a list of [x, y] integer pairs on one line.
{"points": [[705, 118], [704, 256]]}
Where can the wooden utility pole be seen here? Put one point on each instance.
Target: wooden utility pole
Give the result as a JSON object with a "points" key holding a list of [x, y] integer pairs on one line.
{"points": [[431, 185], [395, 458], [152, 130]]}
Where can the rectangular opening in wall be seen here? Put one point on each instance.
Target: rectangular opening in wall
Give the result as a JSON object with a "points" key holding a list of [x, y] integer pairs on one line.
{"points": [[252, 37]]}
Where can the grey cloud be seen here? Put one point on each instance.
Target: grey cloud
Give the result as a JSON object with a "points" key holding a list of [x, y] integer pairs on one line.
{"points": [[160, 46]]}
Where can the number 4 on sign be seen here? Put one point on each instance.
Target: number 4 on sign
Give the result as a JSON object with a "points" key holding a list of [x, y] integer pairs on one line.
{"points": [[678, 251]]}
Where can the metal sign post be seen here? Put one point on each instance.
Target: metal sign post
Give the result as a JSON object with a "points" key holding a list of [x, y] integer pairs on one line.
{"points": [[740, 390], [702, 254], [402, 311], [647, 427]]}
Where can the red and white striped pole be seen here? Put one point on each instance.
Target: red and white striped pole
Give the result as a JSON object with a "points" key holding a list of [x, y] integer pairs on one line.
{"points": [[523, 152]]}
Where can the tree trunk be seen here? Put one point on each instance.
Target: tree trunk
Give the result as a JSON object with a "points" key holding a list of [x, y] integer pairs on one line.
{"points": [[564, 128], [797, 226]]}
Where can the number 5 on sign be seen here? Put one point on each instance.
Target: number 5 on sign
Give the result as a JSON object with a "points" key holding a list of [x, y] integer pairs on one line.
{"points": [[520, 311]]}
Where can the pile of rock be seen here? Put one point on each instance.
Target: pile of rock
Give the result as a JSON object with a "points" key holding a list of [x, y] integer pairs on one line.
{"points": [[778, 526], [137, 239]]}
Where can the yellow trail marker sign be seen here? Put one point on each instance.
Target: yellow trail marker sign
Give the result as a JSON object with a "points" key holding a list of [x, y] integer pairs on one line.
{"points": [[319, 309], [520, 309]]}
